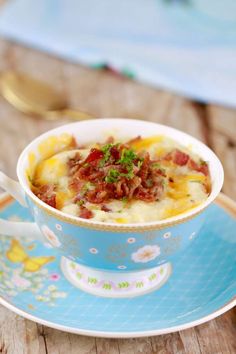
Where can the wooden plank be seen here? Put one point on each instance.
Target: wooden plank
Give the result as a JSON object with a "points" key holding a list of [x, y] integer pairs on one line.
{"points": [[58, 342], [168, 344], [18, 129], [19, 336], [212, 340], [223, 131], [227, 155], [105, 345], [223, 120], [183, 115], [135, 346], [107, 95], [190, 341], [100, 92], [226, 326]]}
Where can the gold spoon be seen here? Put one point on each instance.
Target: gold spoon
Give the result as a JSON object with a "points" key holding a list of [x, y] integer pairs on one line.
{"points": [[31, 96]]}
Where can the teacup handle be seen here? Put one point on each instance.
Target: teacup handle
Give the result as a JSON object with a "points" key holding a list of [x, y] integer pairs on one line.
{"points": [[14, 228]]}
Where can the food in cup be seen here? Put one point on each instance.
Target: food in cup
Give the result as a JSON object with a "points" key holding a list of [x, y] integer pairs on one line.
{"points": [[115, 246], [141, 179]]}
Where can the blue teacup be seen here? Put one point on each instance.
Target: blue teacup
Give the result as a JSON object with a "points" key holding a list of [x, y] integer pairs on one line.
{"points": [[108, 259]]}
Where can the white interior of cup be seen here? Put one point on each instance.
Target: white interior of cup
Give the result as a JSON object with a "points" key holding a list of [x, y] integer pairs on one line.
{"points": [[98, 129]]}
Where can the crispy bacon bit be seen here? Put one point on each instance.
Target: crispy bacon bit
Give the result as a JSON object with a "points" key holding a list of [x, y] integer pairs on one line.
{"points": [[133, 186], [47, 194], [94, 155], [97, 196], [77, 185], [180, 158], [202, 167], [192, 165], [134, 140], [73, 163], [105, 208], [73, 143], [85, 213], [150, 195], [143, 172], [168, 157], [117, 172], [115, 153]]}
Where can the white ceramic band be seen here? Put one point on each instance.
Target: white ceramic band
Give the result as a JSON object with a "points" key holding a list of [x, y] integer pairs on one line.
{"points": [[13, 228], [13, 188]]}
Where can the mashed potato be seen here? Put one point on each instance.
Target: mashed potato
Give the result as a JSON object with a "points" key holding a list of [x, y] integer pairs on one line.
{"points": [[145, 179]]}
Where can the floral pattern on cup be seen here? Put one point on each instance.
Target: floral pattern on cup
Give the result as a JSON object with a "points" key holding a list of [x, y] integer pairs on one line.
{"points": [[15, 279], [146, 254], [131, 240], [167, 235], [58, 227], [121, 267], [50, 236], [93, 250], [54, 277], [19, 281]]}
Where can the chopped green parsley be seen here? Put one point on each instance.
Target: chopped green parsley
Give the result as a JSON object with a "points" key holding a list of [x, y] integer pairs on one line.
{"points": [[112, 176]]}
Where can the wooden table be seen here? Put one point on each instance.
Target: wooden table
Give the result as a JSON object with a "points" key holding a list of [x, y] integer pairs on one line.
{"points": [[109, 96]]}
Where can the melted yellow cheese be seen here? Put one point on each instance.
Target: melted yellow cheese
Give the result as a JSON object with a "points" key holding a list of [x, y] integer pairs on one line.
{"points": [[50, 170], [185, 192], [55, 144], [145, 143], [62, 198], [179, 207], [179, 189], [121, 220], [195, 177], [160, 151], [31, 166]]}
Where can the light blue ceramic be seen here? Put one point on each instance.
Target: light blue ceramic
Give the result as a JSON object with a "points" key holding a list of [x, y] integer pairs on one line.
{"points": [[202, 284], [120, 251], [109, 246]]}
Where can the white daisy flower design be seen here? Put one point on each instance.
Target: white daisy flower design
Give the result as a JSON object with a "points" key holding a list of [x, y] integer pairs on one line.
{"points": [[58, 227], [167, 235], [146, 254], [93, 250], [131, 240], [122, 267], [50, 236]]}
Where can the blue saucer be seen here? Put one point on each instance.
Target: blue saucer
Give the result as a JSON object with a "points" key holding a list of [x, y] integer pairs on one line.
{"points": [[202, 285]]}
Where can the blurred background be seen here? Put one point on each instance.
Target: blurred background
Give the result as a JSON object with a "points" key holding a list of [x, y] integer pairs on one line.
{"points": [[169, 61], [187, 46]]}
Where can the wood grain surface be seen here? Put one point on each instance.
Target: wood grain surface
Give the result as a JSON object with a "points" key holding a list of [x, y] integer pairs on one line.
{"points": [[106, 95]]}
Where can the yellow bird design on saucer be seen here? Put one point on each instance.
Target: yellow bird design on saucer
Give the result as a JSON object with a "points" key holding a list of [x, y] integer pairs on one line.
{"points": [[17, 254]]}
